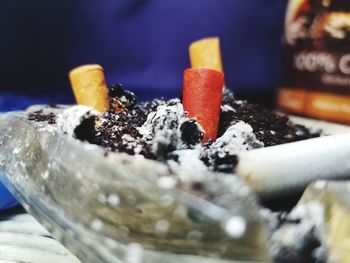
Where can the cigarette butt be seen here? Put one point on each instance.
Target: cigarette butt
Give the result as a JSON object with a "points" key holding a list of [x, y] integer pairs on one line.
{"points": [[205, 53], [291, 167], [202, 94], [89, 87]]}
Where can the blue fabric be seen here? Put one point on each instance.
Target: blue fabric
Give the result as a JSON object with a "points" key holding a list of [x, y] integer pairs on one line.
{"points": [[12, 101], [6, 198]]}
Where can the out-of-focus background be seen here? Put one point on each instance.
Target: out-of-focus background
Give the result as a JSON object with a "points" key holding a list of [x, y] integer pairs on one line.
{"points": [[140, 43]]}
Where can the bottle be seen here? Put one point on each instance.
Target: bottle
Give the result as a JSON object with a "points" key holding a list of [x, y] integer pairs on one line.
{"points": [[316, 60]]}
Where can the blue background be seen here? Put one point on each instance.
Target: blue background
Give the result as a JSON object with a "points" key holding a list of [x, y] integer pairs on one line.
{"points": [[140, 43]]}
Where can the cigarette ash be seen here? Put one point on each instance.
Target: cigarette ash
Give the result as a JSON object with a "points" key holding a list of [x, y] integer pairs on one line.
{"points": [[168, 129], [269, 127], [221, 155], [299, 236], [161, 130], [78, 121], [176, 139]]}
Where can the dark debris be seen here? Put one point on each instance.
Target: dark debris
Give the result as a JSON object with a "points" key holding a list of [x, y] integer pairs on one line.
{"points": [[39, 116], [125, 116], [268, 126]]}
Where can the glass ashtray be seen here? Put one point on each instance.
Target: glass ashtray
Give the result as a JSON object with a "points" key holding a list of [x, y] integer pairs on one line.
{"points": [[119, 208]]}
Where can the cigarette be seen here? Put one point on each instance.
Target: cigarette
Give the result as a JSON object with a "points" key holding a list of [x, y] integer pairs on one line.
{"points": [[202, 94], [205, 53], [288, 168], [89, 87]]}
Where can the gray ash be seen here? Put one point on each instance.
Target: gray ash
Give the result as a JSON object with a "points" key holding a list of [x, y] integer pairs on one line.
{"points": [[227, 97], [220, 163], [118, 130], [306, 248], [86, 130], [289, 255], [221, 155], [139, 113], [269, 127], [225, 164], [158, 128], [39, 116], [283, 219], [298, 236], [161, 128], [190, 134]]}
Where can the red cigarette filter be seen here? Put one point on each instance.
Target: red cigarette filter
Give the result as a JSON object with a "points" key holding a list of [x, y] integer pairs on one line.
{"points": [[202, 94]]}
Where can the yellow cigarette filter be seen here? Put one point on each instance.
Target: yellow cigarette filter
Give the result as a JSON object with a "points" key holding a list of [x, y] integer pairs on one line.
{"points": [[89, 87], [205, 53]]}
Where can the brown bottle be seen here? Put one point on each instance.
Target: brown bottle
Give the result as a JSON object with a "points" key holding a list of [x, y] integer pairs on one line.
{"points": [[316, 60]]}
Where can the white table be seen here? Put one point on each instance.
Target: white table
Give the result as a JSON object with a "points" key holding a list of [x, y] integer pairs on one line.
{"points": [[23, 239]]}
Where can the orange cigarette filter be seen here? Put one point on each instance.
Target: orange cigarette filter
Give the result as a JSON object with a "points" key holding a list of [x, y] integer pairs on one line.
{"points": [[89, 86], [202, 94], [205, 53]]}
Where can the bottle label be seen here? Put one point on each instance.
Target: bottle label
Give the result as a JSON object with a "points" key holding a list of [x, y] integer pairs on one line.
{"points": [[316, 59]]}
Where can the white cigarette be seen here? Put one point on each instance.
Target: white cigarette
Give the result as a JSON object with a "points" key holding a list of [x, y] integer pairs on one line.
{"points": [[291, 167]]}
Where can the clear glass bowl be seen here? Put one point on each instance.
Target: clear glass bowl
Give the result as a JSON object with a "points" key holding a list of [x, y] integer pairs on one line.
{"points": [[119, 208]]}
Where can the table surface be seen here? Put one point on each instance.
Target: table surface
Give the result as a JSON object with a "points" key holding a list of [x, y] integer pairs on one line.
{"points": [[23, 239]]}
